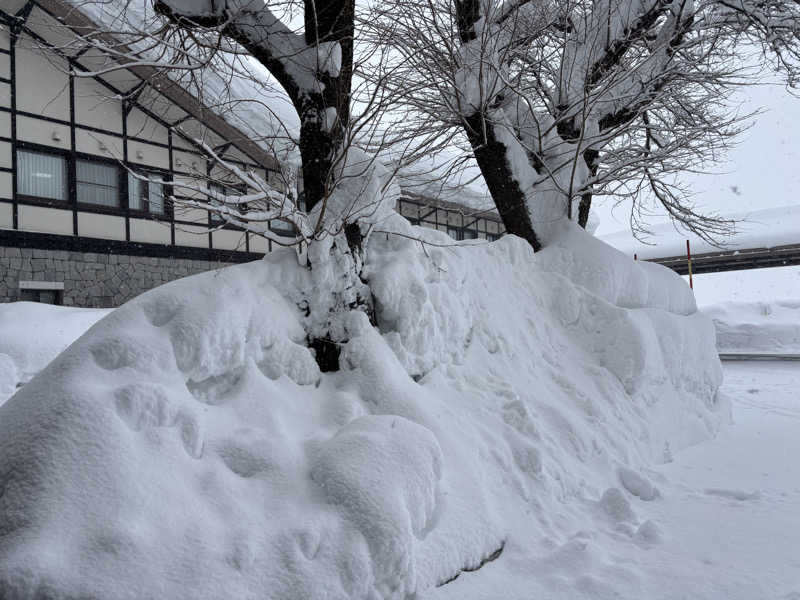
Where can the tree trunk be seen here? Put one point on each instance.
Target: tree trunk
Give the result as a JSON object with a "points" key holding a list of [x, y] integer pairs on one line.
{"points": [[508, 197], [329, 21], [490, 153], [592, 158]]}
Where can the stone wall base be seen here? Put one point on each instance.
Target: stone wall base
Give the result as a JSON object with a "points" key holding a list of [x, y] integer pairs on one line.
{"points": [[91, 279]]}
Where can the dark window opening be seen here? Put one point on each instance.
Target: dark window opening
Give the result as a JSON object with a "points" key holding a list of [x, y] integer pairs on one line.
{"points": [[43, 296]]}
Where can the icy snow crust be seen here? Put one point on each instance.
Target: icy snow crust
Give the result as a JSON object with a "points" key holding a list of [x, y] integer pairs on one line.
{"points": [[188, 447]]}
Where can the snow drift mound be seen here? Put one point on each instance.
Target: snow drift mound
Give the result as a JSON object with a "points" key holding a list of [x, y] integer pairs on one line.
{"points": [[757, 326], [33, 334], [188, 446]]}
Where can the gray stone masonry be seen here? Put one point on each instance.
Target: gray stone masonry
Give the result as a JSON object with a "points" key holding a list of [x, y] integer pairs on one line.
{"points": [[90, 279]]}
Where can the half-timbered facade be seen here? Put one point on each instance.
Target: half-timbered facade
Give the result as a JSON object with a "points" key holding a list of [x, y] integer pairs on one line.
{"points": [[87, 164]]}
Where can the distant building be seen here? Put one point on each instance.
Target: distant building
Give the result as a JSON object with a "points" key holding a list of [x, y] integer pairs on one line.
{"points": [[458, 221], [76, 227]]}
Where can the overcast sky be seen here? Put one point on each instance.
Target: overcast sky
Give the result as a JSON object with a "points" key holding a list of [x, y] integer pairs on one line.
{"points": [[763, 171]]}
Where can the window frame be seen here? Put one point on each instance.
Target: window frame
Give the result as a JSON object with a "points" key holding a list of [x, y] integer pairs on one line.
{"points": [[138, 213], [122, 185], [240, 188], [67, 202]]}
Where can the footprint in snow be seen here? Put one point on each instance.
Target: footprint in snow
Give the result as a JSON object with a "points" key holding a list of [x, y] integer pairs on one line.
{"points": [[739, 495]]}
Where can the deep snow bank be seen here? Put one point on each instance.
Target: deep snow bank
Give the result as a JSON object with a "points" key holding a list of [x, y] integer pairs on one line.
{"points": [[33, 334], [757, 326], [188, 447]]}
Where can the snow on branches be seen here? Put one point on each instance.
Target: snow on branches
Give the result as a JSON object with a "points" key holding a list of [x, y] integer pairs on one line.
{"points": [[295, 62], [602, 97]]}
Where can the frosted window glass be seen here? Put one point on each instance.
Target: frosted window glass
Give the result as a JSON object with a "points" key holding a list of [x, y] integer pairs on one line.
{"points": [[145, 195], [155, 196], [97, 183], [41, 175]]}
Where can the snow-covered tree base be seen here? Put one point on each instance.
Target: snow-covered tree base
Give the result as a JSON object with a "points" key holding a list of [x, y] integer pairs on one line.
{"points": [[187, 446]]}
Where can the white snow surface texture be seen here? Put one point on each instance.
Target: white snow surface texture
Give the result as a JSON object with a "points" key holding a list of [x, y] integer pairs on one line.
{"points": [[33, 334], [187, 446], [757, 326]]}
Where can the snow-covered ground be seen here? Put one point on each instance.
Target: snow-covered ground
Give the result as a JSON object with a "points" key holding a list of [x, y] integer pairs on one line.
{"points": [[755, 310], [33, 334], [725, 524], [187, 446], [731, 505], [765, 327]]}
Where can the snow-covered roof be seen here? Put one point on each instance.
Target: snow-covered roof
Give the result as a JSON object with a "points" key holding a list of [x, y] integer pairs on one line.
{"points": [[249, 99], [434, 178], [238, 114], [767, 228]]}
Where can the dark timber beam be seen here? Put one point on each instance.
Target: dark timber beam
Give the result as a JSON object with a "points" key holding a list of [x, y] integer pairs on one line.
{"points": [[17, 22], [132, 98]]}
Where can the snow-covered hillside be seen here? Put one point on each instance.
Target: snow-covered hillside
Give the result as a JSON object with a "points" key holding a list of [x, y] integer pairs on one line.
{"points": [[187, 446]]}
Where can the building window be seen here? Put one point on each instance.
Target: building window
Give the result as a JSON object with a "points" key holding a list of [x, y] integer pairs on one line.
{"points": [[97, 183], [456, 233], [228, 189], [41, 175], [46, 292], [469, 234], [145, 195], [282, 227]]}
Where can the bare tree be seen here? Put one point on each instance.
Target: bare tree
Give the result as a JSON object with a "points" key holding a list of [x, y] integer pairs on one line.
{"points": [[307, 51], [562, 101]]}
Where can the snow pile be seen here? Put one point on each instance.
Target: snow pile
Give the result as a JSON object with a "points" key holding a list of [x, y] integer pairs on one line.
{"points": [[33, 334], [189, 447], [757, 326], [606, 272]]}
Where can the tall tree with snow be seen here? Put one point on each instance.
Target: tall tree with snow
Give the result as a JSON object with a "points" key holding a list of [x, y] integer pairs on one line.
{"points": [[313, 67], [342, 186], [562, 101]]}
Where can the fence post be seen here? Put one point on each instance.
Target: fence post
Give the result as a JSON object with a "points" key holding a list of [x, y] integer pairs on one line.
{"points": [[689, 261]]}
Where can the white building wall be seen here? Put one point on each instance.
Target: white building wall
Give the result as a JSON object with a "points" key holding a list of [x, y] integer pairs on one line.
{"points": [[229, 240], [5, 154], [42, 83], [5, 125], [6, 216], [107, 227], [5, 59], [46, 220], [150, 232], [45, 133], [49, 117], [94, 106], [6, 189], [98, 144]]}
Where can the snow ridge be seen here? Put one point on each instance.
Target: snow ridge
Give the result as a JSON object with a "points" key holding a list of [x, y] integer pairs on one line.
{"points": [[188, 447]]}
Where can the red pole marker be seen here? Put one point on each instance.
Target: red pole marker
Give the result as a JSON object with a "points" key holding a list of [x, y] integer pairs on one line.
{"points": [[689, 260]]}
